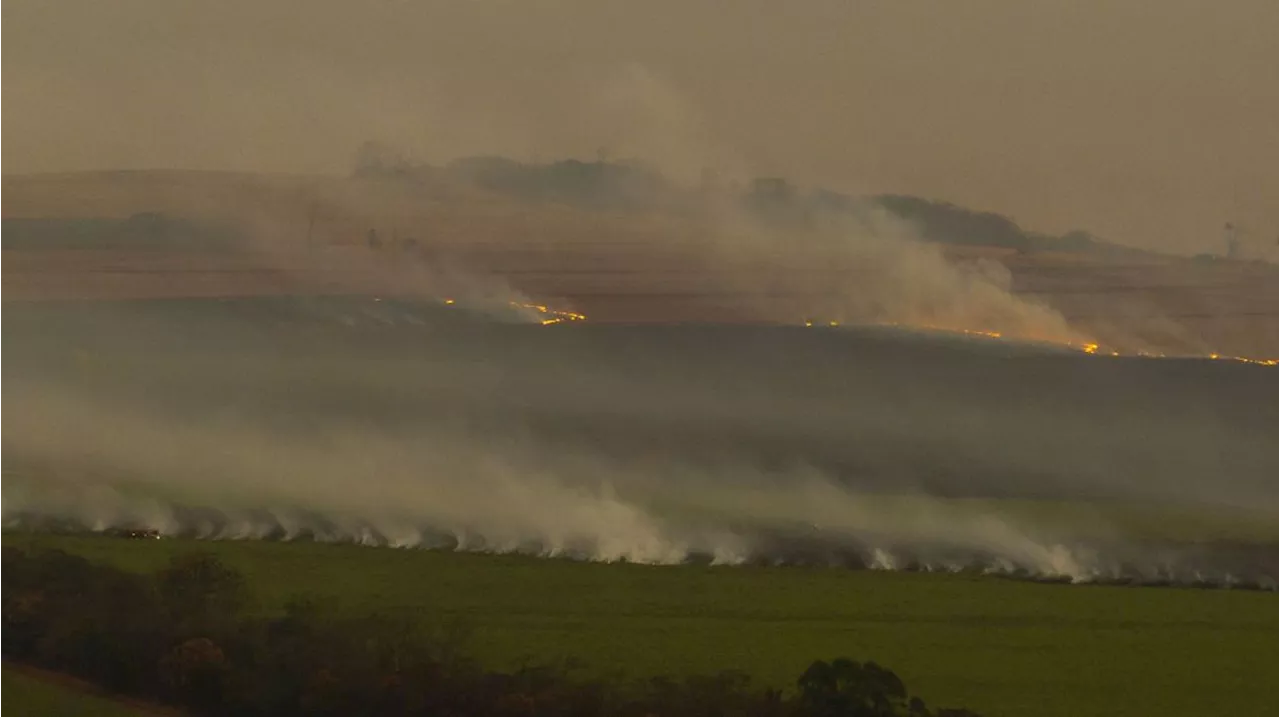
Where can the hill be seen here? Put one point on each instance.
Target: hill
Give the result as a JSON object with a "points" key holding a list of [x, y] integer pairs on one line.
{"points": [[613, 242]]}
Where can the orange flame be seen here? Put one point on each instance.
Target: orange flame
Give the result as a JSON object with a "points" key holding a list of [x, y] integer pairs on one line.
{"points": [[550, 315], [1091, 348], [553, 316]]}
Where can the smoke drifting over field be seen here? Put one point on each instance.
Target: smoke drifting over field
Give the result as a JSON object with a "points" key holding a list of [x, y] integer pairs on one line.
{"points": [[407, 424], [866, 266], [403, 420]]}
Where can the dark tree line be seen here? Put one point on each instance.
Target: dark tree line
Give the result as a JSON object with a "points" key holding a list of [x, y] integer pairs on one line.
{"points": [[188, 635], [633, 186]]}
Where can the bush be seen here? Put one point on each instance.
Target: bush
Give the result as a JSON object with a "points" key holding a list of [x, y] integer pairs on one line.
{"points": [[185, 635]]}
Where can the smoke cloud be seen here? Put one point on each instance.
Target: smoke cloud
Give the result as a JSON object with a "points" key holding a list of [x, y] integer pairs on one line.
{"points": [[662, 446], [870, 267]]}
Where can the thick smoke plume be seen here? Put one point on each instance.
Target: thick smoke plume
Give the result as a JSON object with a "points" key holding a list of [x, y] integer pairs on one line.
{"points": [[867, 266]]}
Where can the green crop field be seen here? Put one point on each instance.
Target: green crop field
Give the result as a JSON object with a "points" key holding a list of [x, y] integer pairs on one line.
{"points": [[998, 646], [26, 695]]}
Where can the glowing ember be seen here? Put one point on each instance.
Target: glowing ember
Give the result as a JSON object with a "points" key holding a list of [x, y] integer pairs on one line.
{"points": [[548, 317], [1091, 348], [1241, 359], [940, 329], [553, 316]]}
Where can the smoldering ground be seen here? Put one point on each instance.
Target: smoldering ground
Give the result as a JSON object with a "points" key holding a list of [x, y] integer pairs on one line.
{"points": [[408, 423]]}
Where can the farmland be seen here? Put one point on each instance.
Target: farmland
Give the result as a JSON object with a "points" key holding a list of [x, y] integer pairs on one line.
{"points": [[704, 417], [32, 692], [1001, 647], [308, 235]]}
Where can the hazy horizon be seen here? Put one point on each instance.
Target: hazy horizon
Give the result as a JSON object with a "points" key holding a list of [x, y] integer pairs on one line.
{"points": [[1146, 124]]}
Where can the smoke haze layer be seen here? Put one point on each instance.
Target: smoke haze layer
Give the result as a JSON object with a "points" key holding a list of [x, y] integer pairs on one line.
{"points": [[1154, 133], [415, 424]]}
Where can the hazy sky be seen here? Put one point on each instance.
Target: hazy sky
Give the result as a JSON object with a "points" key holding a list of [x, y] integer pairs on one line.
{"points": [[1147, 122]]}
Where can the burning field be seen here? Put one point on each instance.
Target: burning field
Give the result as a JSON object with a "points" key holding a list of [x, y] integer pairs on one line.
{"points": [[427, 365], [730, 444], [515, 426]]}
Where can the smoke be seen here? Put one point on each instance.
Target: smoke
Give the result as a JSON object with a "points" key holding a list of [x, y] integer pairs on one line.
{"points": [[858, 265], [867, 266], [426, 488], [646, 118], [430, 489], [398, 427], [398, 484], [647, 445]]}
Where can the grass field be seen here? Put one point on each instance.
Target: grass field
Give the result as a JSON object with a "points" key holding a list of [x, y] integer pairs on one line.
{"points": [[997, 646], [34, 697]]}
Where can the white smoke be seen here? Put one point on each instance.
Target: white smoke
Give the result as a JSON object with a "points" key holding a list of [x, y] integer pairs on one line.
{"points": [[867, 266], [500, 493]]}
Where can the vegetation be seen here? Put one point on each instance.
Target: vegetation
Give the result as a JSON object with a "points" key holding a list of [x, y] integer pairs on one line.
{"points": [[185, 635], [1000, 647], [595, 185], [27, 695], [632, 186]]}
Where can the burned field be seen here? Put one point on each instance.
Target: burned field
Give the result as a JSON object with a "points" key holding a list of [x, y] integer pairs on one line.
{"points": [[433, 424]]}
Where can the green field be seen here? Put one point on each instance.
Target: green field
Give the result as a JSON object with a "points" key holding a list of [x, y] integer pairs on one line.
{"points": [[33, 697], [1000, 647]]}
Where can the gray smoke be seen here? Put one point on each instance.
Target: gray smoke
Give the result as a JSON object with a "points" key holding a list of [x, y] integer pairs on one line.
{"points": [[658, 445]]}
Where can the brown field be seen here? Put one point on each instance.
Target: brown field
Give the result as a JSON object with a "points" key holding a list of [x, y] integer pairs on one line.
{"points": [[309, 238]]}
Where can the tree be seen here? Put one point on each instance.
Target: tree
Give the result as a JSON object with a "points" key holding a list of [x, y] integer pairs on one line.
{"points": [[845, 688], [194, 671], [200, 592]]}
